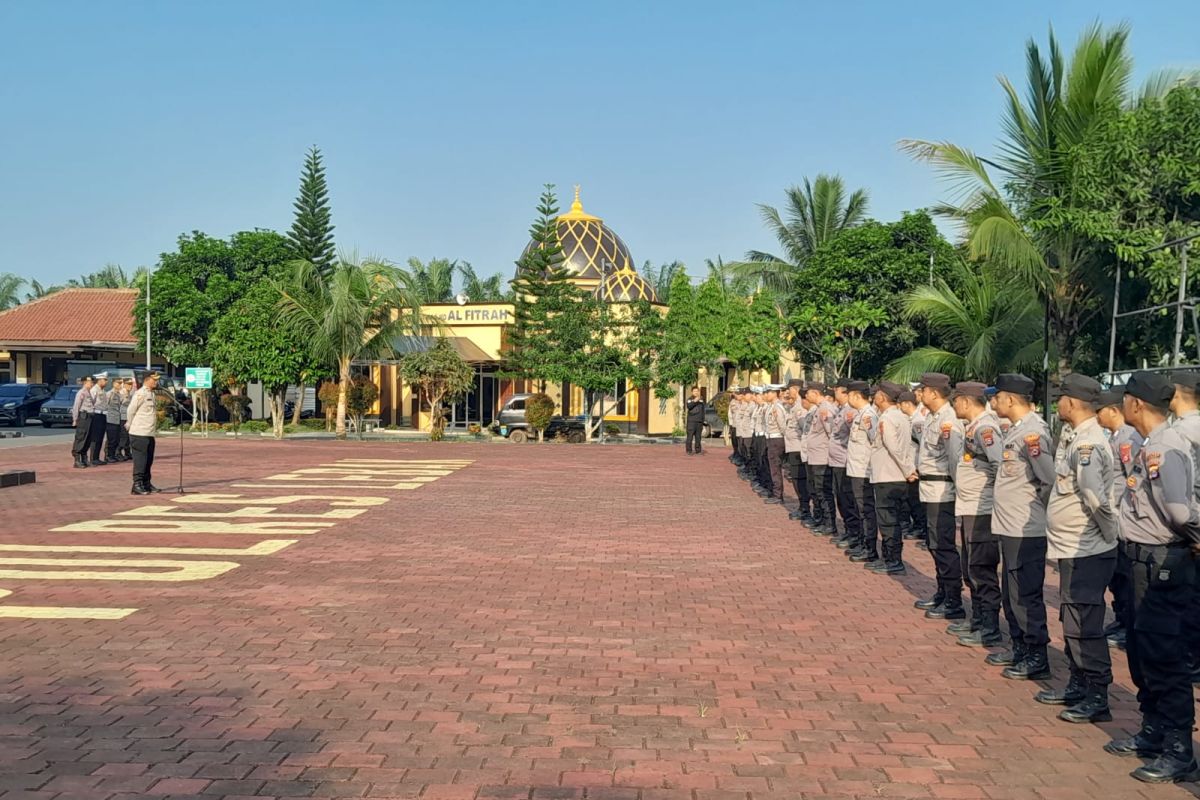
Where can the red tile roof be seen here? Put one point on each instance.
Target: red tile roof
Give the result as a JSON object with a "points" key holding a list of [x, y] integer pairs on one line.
{"points": [[72, 317]]}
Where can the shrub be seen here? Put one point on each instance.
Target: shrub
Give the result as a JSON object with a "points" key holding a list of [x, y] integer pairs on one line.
{"points": [[678, 432], [612, 429], [310, 425], [328, 395], [256, 426], [236, 405], [721, 404], [539, 408], [359, 400]]}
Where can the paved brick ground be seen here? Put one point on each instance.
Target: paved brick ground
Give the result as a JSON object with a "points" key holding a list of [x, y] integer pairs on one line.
{"points": [[615, 623]]}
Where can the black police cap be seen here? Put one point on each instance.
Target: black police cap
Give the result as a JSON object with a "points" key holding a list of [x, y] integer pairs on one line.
{"points": [[1081, 387], [1155, 389], [1015, 383]]}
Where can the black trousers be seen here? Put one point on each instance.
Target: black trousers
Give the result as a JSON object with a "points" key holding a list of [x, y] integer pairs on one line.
{"points": [[733, 443], [1159, 593], [743, 444], [981, 550], [1024, 562], [864, 504], [797, 473], [843, 494], [123, 441], [943, 546], [1119, 586], [694, 434], [112, 436], [143, 457], [99, 425], [821, 486], [915, 510], [889, 497], [1082, 582], [775, 455], [83, 434], [760, 461]]}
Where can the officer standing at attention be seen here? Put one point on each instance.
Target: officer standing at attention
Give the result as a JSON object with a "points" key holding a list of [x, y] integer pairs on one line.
{"points": [[143, 420], [112, 421], [695, 423], [792, 443], [731, 421], [1023, 485], [745, 433], [1158, 531], [81, 418], [858, 462], [762, 484], [1125, 443], [818, 457], [974, 482], [891, 465], [99, 420], [912, 517], [1187, 422], [1081, 532], [839, 439], [806, 423], [776, 425], [127, 391], [940, 445]]}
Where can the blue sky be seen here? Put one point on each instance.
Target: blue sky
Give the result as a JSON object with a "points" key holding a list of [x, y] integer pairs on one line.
{"points": [[124, 124]]}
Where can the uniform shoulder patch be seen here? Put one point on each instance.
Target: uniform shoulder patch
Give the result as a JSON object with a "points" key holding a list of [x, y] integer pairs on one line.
{"points": [[1033, 443], [989, 437], [946, 428], [1085, 454]]}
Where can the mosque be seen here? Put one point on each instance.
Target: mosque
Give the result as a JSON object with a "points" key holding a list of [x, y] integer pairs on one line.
{"points": [[600, 262]]}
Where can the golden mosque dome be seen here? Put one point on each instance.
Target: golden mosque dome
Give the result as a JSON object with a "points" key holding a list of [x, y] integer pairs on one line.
{"points": [[590, 248], [626, 286]]}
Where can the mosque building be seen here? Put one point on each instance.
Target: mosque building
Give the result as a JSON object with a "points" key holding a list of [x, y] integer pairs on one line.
{"points": [[600, 262]]}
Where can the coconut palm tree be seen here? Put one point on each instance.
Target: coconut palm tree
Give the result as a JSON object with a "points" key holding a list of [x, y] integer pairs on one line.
{"points": [[660, 278], [112, 276], [36, 290], [815, 214], [1011, 222], [987, 325], [486, 290], [433, 281], [10, 290], [726, 275], [353, 313]]}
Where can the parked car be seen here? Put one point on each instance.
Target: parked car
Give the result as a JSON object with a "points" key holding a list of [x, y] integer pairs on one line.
{"points": [[57, 410], [510, 422], [713, 426], [21, 402]]}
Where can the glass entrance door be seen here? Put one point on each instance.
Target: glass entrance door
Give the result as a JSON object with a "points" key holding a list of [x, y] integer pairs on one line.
{"points": [[478, 406]]}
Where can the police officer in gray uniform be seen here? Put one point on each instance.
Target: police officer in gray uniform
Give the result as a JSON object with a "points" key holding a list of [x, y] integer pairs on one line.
{"points": [[1023, 485], [1125, 444], [1159, 531], [858, 467], [1187, 422], [793, 444], [775, 422], [839, 439], [1081, 532], [817, 447], [937, 456], [891, 470]]}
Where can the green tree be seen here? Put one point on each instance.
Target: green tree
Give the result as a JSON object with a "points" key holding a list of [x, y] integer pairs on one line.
{"points": [[360, 399], [662, 277], [36, 290], [539, 410], [832, 335], [311, 236], [249, 345], [441, 376], [352, 314], [985, 324], [726, 276], [762, 333], [815, 214], [433, 281], [10, 290], [113, 276], [482, 290]]}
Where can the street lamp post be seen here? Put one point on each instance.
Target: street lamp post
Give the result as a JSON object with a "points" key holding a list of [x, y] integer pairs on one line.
{"points": [[148, 271]]}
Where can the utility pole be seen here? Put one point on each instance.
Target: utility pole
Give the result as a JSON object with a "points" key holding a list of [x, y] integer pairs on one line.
{"points": [[148, 271], [1183, 279]]}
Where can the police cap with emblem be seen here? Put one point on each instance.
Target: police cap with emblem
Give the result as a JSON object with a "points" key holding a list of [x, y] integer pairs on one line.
{"points": [[972, 389], [798, 382], [1111, 397], [891, 390], [907, 396], [862, 387], [1080, 387], [935, 380], [842, 383], [816, 386], [1152, 388], [1015, 383]]}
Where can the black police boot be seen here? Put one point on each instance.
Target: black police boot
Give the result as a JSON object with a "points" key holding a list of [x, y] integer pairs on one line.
{"points": [[1094, 708], [936, 600], [796, 515], [1001, 658], [1177, 763], [1073, 694], [1146, 743], [969, 625], [139, 488], [80, 463], [986, 635], [847, 541], [1034, 667], [952, 608], [864, 556]]}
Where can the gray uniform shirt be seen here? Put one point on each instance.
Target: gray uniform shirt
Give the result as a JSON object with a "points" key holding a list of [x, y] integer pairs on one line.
{"points": [[892, 456], [838, 426], [776, 420], [1080, 517], [1157, 506], [143, 416], [1188, 426], [83, 402], [977, 464], [99, 401], [941, 441], [792, 438], [818, 434], [1125, 444], [1024, 479], [858, 446], [758, 418]]}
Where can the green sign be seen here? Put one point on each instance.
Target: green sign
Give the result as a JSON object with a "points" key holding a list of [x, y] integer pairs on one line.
{"points": [[197, 377]]}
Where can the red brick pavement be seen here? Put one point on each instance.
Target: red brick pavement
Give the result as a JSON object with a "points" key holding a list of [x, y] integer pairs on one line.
{"points": [[551, 622]]}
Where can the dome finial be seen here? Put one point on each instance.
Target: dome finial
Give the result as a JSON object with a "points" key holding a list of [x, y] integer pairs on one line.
{"points": [[577, 211]]}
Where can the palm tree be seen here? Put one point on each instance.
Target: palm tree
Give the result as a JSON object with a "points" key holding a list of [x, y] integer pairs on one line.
{"points": [[988, 325], [112, 276], [726, 275], [816, 213], [354, 313], [488, 290], [10, 290], [37, 290], [661, 277], [1005, 221], [433, 282]]}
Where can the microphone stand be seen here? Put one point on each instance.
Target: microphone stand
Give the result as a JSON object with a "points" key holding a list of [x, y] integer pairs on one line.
{"points": [[180, 406]]}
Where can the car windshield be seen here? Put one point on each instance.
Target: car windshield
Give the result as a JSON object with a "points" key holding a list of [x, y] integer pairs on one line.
{"points": [[12, 390], [66, 393]]}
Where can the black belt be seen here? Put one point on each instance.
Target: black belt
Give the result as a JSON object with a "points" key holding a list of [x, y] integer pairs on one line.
{"points": [[937, 478], [1134, 549]]}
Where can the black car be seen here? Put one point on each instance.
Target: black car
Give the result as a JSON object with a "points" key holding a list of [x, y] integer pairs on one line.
{"points": [[20, 402], [511, 423], [57, 410]]}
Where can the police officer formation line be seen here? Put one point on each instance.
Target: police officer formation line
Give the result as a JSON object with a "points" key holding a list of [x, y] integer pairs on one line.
{"points": [[116, 423], [1114, 502]]}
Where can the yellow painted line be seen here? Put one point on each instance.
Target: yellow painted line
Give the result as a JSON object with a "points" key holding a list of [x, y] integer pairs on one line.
{"points": [[456, 461], [249, 511], [371, 486], [159, 525], [180, 570], [263, 548], [278, 500], [62, 612]]}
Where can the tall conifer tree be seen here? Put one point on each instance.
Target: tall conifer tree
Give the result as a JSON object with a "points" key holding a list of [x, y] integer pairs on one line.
{"points": [[311, 236]]}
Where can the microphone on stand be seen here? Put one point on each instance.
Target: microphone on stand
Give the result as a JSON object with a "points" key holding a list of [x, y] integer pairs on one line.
{"points": [[181, 407]]}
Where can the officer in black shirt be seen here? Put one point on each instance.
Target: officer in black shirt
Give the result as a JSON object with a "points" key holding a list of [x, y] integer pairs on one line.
{"points": [[695, 422]]}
